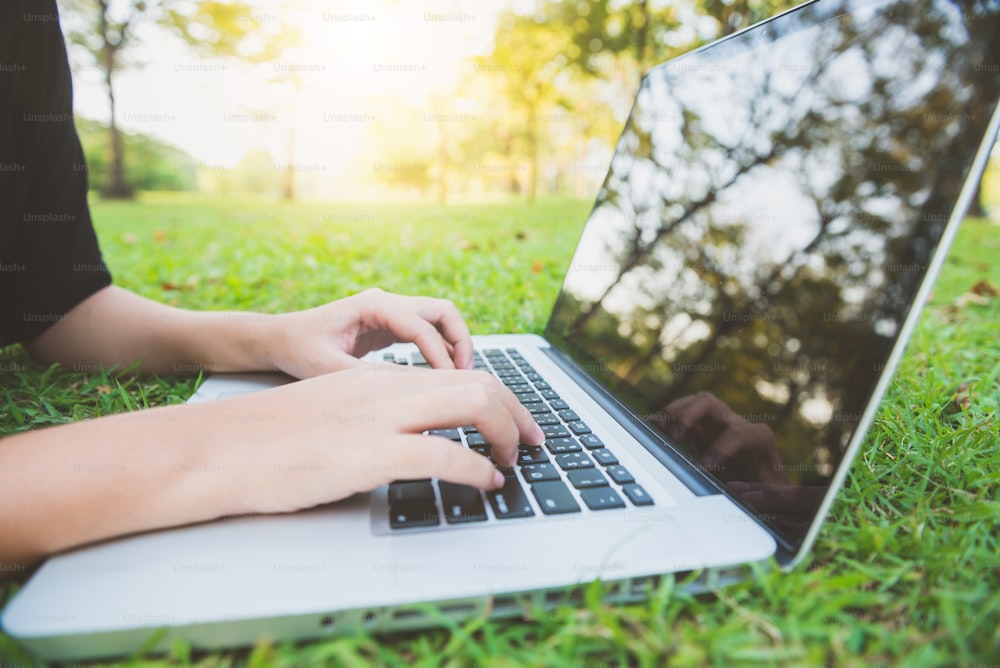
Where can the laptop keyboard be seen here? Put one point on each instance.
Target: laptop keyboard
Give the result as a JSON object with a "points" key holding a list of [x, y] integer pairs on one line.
{"points": [[572, 470]]}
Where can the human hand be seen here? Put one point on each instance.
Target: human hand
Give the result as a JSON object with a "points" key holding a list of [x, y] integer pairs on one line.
{"points": [[326, 438], [334, 336]]}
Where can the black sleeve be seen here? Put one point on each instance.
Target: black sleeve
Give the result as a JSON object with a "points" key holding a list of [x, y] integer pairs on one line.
{"points": [[49, 257]]}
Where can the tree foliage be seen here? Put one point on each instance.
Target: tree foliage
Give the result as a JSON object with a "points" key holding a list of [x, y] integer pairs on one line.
{"points": [[105, 31]]}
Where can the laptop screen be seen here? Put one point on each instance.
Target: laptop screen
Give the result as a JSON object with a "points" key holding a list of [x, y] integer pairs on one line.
{"points": [[768, 218]]}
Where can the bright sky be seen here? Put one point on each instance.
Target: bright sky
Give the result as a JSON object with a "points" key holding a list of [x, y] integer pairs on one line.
{"points": [[350, 51]]}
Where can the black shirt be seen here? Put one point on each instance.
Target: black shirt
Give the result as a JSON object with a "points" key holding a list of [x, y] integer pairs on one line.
{"points": [[49, 257]]}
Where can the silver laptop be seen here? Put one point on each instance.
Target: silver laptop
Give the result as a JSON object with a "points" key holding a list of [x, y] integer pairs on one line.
{"points": [[772, 220]]}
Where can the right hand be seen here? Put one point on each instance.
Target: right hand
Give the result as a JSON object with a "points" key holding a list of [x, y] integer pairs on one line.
{"points": [[323, 439]]}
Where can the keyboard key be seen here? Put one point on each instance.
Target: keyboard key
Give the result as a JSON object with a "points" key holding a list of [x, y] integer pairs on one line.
{"points": [[591, 441], [604, 456], [516, 385], [539, 407], [533, 473], [388, 357], [412, 516], [450, 434], [470, 429], [579, 427], [569, 416], [637, 495], [559, 445], [475, 439], [620, 475], [549, 394], [554, 498], [541, 385], [461, 503], [417, 358], [554, 431], [574, 460], [484, 450], [531, 454], [601, 498], [558, 404], [528, 398], [546, 418], [509, 501], [586, 478], [532, 375], [406, 492]]}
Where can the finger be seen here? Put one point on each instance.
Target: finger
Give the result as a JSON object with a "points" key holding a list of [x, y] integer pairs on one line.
{"points": [[443, 400], [445, 316], [406, 325], [435, 457]]}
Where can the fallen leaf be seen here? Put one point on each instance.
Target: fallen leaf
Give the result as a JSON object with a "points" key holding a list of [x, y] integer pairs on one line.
{"points": [[520, 235], [103, 389], [971, 298], [984, 287], [963, 397], [467, 245], [537, 266], [129, 239], [167, 285], [159, 236]]}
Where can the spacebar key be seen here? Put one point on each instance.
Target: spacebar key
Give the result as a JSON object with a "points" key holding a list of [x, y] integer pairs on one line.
{"points": [[509, 501]]}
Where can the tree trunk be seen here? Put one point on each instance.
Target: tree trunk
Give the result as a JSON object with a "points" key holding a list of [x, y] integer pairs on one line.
{"points": [[641, 37], [442, 176], [116, 187], [532, 156], [976, 208], [288, 183]]}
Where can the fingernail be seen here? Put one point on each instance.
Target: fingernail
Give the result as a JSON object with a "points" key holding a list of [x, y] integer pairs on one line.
{"points": [[497, 478], [539, 435]]}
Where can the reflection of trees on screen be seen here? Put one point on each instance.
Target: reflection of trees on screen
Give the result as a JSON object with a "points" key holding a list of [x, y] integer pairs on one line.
{"points": [[853, 128]]}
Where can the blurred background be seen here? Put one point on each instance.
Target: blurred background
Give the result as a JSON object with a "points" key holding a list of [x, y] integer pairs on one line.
{"points": [[428, 100]]}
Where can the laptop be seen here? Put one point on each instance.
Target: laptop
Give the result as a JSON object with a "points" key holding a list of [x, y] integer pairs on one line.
{"points": [[775, 212]]}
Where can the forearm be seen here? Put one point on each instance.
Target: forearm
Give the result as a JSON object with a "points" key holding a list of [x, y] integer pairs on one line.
{"points": [[66, 486], [115, 328]]}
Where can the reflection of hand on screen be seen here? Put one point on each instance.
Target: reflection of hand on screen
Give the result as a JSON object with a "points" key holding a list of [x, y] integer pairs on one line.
{"points": [[728, 438]]}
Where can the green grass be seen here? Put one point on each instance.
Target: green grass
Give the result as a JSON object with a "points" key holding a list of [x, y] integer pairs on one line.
{"points": [[905, 572]]}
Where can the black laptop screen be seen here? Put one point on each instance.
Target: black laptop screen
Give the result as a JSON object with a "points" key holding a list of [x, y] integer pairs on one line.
{"points": [[768, 218]]}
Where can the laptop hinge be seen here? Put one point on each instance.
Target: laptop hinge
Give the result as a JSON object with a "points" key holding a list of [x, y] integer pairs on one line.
{"points": [[693, 478]]}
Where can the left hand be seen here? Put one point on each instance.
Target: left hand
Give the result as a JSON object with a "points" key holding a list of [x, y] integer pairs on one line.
{"points": [[334, 336]]}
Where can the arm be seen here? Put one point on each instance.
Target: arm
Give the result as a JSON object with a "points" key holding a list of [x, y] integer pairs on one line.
{"points": [[117, 328], [280, 450]]}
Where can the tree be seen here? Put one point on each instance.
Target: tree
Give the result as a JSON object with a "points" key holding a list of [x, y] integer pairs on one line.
{"points": [[151, 164], [528, 60], [107, 30]]}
